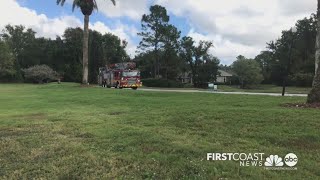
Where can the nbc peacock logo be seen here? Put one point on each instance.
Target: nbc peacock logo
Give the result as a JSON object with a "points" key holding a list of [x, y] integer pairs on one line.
{"points": [[273, 160]]}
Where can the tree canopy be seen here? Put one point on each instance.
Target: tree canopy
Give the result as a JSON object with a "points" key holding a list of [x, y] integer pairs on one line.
{"points": [[7, 59], [162, 53], [276, 61], [63, 54], [248, 71]]}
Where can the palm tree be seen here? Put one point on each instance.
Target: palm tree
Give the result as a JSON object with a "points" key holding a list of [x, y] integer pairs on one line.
{"points": [[314, 96], [86, 6]]}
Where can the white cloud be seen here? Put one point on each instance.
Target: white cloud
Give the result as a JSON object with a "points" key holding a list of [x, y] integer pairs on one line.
{"points": [[52, 27], [122, 31], [224, 48], [16, 15], [243, 27], [236, 27], [130, 8], [290, 7]]}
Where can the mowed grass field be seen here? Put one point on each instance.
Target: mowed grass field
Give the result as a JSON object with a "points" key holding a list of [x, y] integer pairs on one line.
{"points": [[68, 132], [266, 89]]}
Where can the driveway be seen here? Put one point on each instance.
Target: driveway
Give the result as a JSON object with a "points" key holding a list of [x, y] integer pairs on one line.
{"points": [[219, 92]]}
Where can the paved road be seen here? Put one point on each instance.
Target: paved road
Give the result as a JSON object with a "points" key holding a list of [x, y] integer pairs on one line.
{"points": [[204, 91]]}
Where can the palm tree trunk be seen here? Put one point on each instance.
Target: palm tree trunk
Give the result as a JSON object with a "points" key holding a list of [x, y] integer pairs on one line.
{"points": [[317, 61], [85, 49], [314, 96]]}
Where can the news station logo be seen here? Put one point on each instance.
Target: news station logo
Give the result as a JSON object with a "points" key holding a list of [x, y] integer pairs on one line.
{"points": [[275, 162], [244, 159], [272, 162], [291, 159]]}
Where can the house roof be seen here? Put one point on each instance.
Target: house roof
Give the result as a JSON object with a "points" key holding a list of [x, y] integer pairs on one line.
{"points": [[224, 74]]}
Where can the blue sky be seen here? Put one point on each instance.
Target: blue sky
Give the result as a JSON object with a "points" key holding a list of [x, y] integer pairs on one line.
{"points": [[235, 27], [50, 9]]}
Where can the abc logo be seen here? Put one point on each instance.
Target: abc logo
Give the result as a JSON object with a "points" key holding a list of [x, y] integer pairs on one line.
{"points": [[291, 159]]}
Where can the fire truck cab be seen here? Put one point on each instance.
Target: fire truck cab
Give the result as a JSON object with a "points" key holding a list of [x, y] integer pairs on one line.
{"points": [[121, 75]]}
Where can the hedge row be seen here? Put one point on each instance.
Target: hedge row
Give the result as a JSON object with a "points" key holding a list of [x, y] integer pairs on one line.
{"points": [[162, 83], [301, 79]]}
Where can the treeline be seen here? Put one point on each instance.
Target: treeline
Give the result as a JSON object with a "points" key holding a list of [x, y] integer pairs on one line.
{"points": [[292, 56], [165, 55], [289, 60], [162, 54], [21, 49]]}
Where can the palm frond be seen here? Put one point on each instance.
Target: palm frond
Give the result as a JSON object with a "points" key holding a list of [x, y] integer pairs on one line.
{"points": [[61, 2], [95, 5], [76, 3], [114, 2]]}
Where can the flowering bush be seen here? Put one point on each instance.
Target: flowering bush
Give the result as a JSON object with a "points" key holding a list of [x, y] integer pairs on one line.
{"points": [[40, 74]]}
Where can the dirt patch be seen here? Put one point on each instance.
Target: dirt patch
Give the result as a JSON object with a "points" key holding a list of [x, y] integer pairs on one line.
{"points": [[148, 149], [9, 132], [13, 132], [116, 113], [302, 105], [85, 136]]}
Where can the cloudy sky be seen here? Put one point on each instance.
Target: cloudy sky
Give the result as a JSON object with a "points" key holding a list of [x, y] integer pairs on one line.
{"points": [[235, 26]]}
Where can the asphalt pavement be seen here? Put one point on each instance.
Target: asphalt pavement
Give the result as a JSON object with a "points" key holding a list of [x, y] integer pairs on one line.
{"points": [[218, 92]]}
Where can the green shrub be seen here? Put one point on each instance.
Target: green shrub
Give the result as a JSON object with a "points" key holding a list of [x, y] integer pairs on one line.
{"points": [[188, 85], [7, 70], [203, 85], [301, 79], [40, 74], [248, 72], [162, 83]]}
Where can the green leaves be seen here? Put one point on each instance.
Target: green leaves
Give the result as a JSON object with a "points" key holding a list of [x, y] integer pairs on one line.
{"points": [[276, 59], [160, 39], [86, 6], [203, 66], [153, 28], [6, 61], [248, 71]]}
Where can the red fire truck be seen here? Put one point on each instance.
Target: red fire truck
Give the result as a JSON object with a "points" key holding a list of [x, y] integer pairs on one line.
{"points": [[120, 75]]}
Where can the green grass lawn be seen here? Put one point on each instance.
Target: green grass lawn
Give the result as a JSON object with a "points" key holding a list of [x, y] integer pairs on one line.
{"points": [[266, 89], [68, 132]]}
